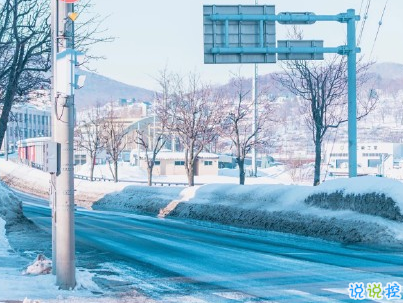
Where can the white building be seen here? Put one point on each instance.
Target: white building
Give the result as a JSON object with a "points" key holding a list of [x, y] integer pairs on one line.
{"points": [[173, 163], [372, 158], [28, 121]]}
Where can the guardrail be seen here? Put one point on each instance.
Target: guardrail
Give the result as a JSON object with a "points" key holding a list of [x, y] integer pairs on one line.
{"points": [[155, 183]]}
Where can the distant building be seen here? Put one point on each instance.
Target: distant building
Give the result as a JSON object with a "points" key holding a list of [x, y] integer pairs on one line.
{"points": [[173, 163], [372, 158], [28, 121]]}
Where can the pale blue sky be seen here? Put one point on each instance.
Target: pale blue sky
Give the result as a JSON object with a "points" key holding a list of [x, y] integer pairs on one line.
{"points": [[154, 34]]}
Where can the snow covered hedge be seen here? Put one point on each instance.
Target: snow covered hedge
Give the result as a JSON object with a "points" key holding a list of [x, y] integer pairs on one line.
{"points": [[367, 195]]}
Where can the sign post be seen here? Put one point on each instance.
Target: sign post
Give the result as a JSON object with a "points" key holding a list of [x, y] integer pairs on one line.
{"points": [[237, 34]]}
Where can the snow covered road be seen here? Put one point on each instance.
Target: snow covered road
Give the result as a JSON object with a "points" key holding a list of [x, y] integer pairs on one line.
{"points": [[190, 261]]}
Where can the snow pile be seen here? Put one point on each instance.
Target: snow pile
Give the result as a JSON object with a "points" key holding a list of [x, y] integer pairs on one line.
{"points": [[41, 266], [369, 214], [139, 199], [10, 206]]}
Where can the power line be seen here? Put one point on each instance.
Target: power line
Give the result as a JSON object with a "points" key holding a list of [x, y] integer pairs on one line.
{"points": [[379, 27], [364, 21], [362, 2]]}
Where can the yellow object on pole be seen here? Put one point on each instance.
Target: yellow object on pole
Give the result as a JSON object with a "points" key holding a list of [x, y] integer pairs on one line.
{"points": [[73, 16]]}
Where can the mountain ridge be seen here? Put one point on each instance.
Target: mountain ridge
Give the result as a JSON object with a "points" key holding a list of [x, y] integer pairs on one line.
{"points": [[101, 89]]}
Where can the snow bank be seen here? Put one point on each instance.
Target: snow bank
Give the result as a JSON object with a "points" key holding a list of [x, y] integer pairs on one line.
{"points": [[362, 210], [10, 206], [139, 199]]}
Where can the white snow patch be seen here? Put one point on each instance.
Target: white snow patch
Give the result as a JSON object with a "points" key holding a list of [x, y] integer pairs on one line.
{"points": [[41, 266], [10, 206]]}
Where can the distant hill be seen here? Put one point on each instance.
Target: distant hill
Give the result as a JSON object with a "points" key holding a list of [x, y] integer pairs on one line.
{"points": [[387, 77], [100, 89], [392, 71]]}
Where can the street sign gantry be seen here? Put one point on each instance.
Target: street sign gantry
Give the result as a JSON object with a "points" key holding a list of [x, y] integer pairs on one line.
{"points": [[238, 34]]}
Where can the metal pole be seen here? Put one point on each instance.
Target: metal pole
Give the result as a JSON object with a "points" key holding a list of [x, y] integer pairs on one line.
{"points": [[63, 135], [352, 94], [52, 190], [255, 112], [138, 145], [255, 118]]}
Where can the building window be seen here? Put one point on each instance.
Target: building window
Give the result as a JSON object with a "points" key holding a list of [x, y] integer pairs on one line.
{"points": [[208, 163], [157, 163], [179, 163], [339, 155], [371, 155], [374, 162], [34, 119], [341, 163]]}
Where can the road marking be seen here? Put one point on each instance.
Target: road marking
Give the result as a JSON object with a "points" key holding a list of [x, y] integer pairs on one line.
{"points": [[236, 295], [312, 297], [184, 299]]}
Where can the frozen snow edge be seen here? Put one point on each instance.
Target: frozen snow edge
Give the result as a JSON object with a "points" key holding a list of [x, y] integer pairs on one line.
{"points": [[363, 210]]}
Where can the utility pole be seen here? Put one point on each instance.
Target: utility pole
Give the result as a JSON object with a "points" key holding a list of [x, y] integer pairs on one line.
{"points": [[255, 118], [64, 60], [352, 93], [255, 113]]}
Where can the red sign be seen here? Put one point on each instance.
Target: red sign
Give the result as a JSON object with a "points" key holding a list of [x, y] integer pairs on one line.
{"points": [[69, 1]]}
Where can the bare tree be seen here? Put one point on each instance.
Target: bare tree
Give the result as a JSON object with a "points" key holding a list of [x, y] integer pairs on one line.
{"points": [[24, 35], [25, 48], [113, 140], [88, 136], [324, 88], [152, 143], [238, 122], [190, 111]]}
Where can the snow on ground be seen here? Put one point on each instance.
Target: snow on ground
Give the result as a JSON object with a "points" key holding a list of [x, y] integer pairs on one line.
{"points": [[41, 266], [13, 282], [267, 204], [37, 182], [127, 172], [278, 207], [10, 207]]}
